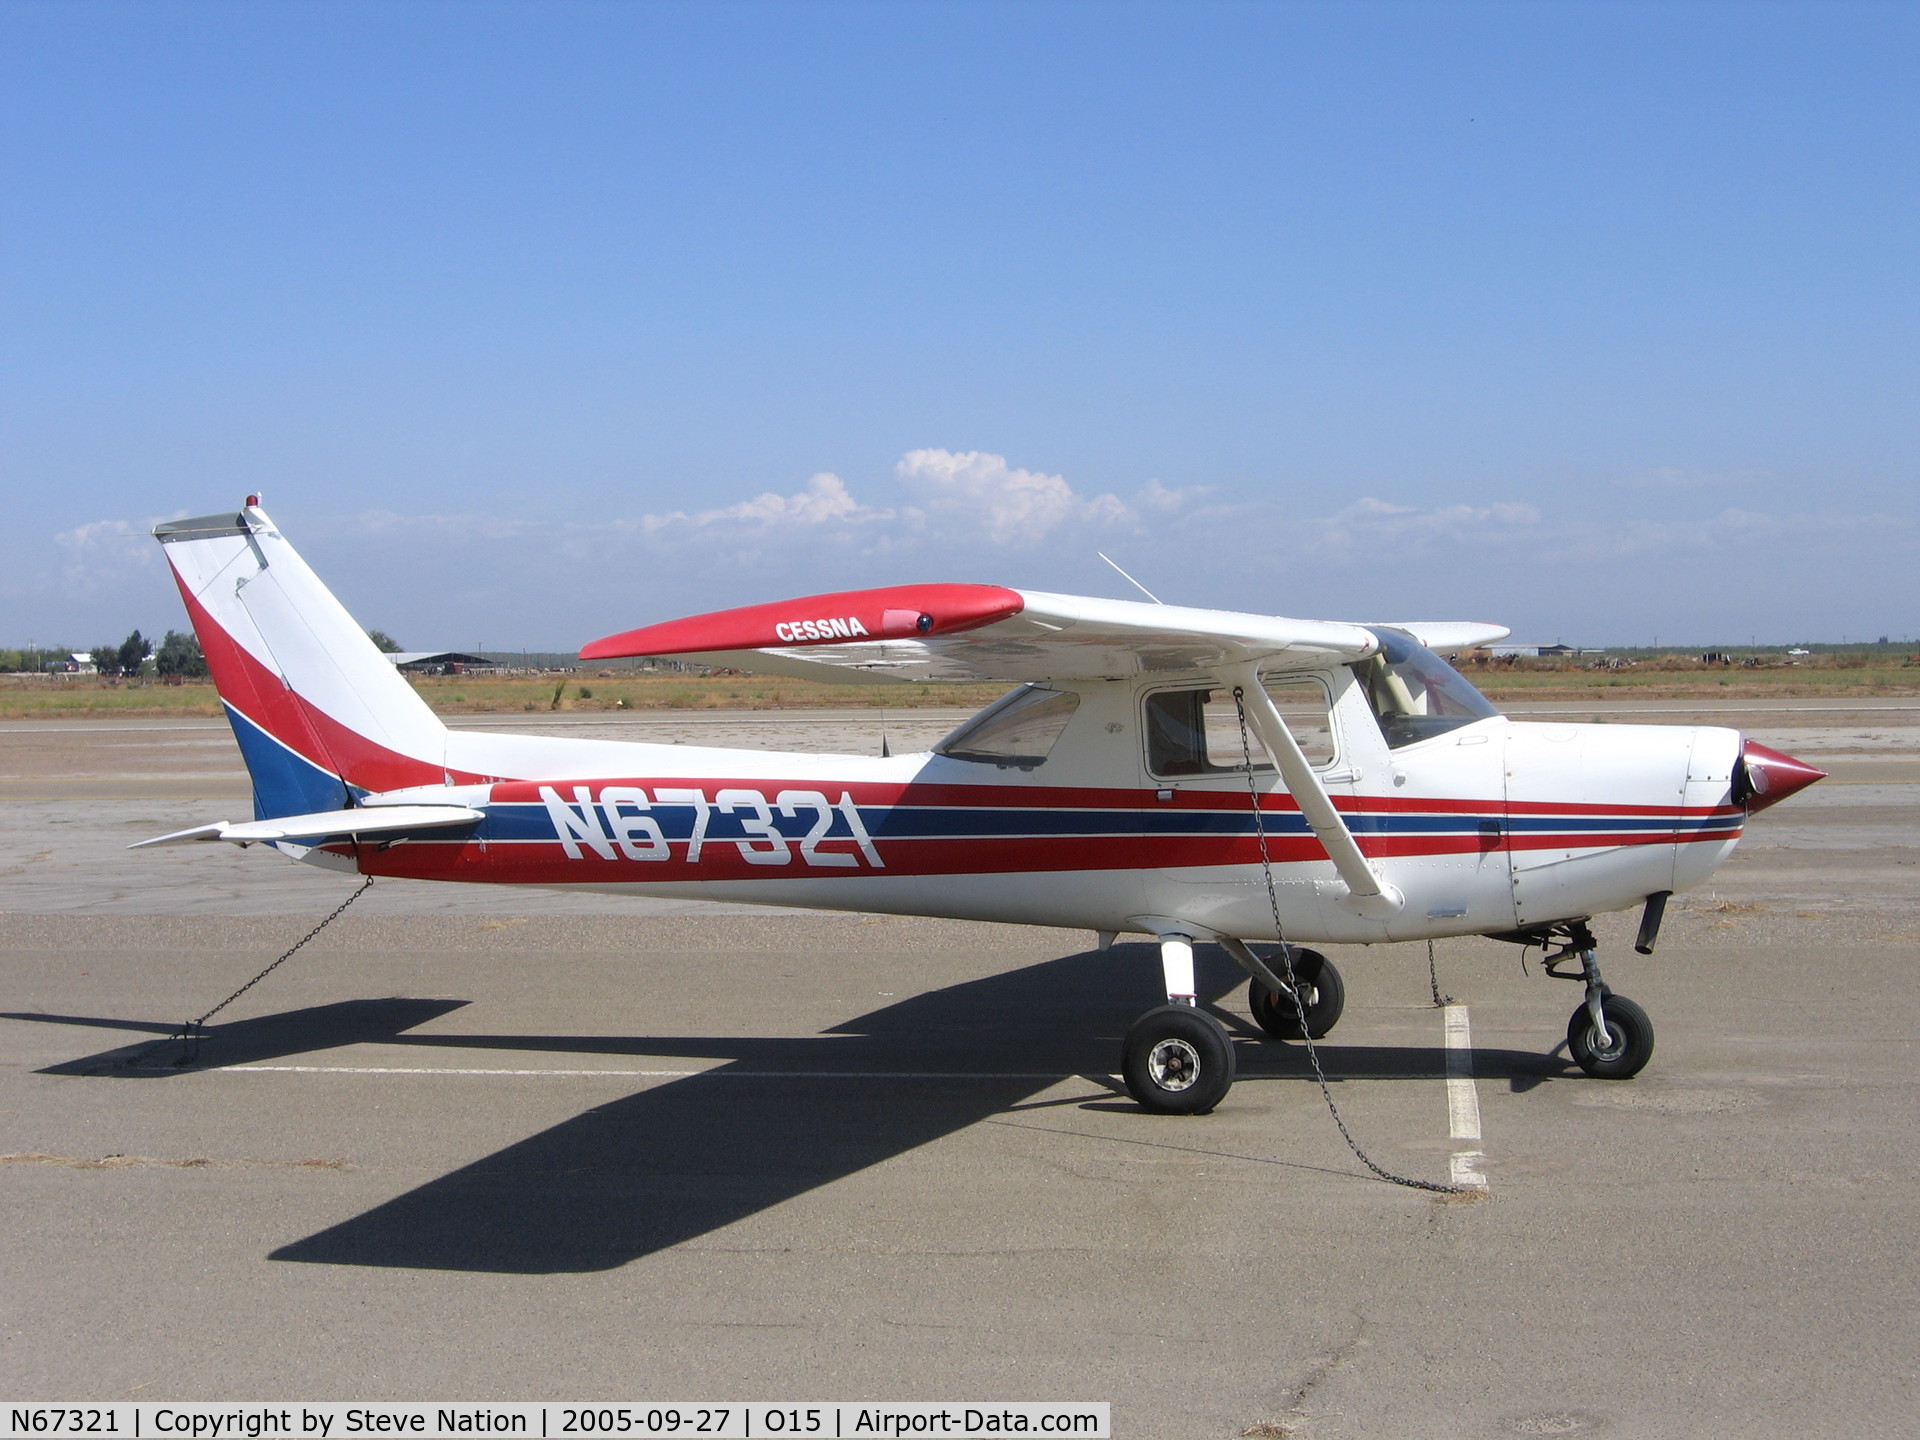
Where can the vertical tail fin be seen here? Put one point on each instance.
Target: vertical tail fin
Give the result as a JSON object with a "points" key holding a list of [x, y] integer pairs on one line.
{"points": [[319, 712]]}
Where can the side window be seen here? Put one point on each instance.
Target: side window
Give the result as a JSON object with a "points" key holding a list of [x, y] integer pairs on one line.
{"points": [[1177, 732], [1197, 732], [1017, 730], [1303, 705]]}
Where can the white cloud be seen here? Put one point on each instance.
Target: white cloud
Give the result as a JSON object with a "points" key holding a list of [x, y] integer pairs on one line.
{"points": [[950, 498], [103, 554], [981, 492], [476, 578], [1377, 518], [825, 500]]}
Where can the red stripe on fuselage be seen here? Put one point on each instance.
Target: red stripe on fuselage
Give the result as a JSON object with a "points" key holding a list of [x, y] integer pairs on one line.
{"points": [[546, 863], [1086, 797]]}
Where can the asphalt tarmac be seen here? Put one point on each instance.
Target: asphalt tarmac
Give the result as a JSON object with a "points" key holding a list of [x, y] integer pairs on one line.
{"points": [[480, 1146]]}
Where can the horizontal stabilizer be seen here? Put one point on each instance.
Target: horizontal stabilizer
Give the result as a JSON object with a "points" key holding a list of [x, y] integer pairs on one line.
{"points": [[326, 825]]}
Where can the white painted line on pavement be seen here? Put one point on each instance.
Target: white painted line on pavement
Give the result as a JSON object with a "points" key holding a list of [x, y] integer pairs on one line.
{"points": [[1465, 1170], [1463, 1099]]}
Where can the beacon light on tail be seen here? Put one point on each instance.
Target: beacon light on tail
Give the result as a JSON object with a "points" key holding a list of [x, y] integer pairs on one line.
{"points": [[1109, 790]]}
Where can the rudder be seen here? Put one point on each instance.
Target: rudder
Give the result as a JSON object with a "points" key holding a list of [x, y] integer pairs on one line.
{"points": [[318, 711]]}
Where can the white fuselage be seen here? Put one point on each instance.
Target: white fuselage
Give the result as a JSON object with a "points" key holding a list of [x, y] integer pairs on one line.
{"points": [[1493, 826]]}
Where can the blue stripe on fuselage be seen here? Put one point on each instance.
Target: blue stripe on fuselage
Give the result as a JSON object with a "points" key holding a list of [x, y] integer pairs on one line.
{"points": [[523, 821]]}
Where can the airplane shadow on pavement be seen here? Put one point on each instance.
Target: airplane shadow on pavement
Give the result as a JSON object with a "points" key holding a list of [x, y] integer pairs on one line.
{"points": [[781, 1116], [245, 1042]]}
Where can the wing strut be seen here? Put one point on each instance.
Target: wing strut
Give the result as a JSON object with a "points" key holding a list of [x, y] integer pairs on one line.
{"points": [[1372, 894]]}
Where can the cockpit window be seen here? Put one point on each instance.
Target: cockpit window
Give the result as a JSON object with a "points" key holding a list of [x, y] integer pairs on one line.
{"points": [[1018, 729], [1414, 694]]}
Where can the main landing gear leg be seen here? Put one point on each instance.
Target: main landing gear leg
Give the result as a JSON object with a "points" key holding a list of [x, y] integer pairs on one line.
{"points": [[1177, 1059], [1609, 1036]]}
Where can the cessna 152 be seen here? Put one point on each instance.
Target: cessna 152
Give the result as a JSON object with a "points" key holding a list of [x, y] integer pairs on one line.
{"points": [[1193, 775]]}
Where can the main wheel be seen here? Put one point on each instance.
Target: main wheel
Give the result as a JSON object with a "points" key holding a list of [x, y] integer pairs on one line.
{"points": [[1629, 1037], [1177, 1061], [1322, 991]]}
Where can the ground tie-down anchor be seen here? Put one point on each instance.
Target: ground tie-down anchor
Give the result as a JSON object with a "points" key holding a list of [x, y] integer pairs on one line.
{"points": [[189, 1035], [192, 1032]]}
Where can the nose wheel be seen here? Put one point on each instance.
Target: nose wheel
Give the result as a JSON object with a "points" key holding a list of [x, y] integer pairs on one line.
{"points": [[1622, 1051], [1609, 1036]]}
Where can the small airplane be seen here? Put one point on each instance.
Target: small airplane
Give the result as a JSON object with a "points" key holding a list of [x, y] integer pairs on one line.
{"points": [[1192, 775]]}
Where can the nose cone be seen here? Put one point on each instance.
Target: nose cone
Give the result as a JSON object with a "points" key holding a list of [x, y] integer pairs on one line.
{"points": [[1766, 777]]}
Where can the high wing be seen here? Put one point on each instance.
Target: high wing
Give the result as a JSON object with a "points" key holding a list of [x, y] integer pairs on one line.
{"points": [[1450, 637], [914, 633], [985, 632]]}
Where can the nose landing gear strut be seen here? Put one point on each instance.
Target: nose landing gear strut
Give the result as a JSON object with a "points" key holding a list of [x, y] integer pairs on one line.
{"points": [[1609, 1036]]}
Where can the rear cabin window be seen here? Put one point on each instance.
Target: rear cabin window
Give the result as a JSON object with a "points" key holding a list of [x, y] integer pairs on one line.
{"points": [[1197, 732], [1017, 730]]}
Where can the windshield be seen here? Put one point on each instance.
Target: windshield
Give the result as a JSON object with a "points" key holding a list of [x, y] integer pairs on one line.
{"points": [[1414, 694], [1018, 729]]}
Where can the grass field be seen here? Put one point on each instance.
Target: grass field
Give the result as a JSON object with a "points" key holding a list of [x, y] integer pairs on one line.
{"points": [[26, 696], [53, 697]]}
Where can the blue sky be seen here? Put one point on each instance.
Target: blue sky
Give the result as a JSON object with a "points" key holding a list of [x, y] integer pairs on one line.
{"points": [[535, 322]]}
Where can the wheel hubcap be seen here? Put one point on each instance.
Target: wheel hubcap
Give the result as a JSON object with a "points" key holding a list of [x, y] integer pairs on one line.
{"points": [[1174, 1065], [1616, 1045]]}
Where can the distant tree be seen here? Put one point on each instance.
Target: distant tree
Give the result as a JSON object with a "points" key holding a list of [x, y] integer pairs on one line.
{"points": [[179, 657], [106, 659], [388, 645], [133, 653]]}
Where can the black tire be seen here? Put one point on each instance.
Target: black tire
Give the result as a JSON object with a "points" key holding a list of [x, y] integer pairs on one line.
{"points": [[1177, 1061], [1629, 1030], [1324, 992]]}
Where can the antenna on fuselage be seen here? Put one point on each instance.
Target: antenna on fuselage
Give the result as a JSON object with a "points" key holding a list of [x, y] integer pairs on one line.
{"points": [[1129, 579]]}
